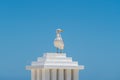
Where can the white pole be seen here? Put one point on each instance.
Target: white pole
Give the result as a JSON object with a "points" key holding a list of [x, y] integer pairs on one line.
{"points": [[39, 74], [53, 74], [68, 74], [33, 74], [47, 74], [60, 74], [43, 74], [75, 74]]}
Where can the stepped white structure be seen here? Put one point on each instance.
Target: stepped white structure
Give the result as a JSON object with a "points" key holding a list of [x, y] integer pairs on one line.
{"points": [[54, 66]]}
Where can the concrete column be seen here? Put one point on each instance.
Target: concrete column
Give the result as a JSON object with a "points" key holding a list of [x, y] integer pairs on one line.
{"points": [[33, 74], [75, 74], [53, 75], [45, 74], [39, 74], [67, 74], [60, 74]]}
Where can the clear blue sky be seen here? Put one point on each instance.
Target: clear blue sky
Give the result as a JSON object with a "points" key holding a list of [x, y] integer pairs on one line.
{"points": [[91, 35]]}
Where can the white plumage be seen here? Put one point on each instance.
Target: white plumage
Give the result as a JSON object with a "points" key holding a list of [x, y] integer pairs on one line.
{"points": [[58, 42]]}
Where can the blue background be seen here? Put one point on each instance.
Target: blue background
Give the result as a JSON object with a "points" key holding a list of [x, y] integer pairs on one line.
{"points": [[91, 35]]}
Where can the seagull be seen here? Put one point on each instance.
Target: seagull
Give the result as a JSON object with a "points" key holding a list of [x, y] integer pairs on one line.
{"points": [[58, 42]]}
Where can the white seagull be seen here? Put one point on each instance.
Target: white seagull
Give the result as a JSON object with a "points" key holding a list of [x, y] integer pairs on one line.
{"points": [[58, 42]]}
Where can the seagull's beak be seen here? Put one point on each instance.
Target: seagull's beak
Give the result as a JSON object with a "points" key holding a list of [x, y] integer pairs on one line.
{"points": [[61, 30]]}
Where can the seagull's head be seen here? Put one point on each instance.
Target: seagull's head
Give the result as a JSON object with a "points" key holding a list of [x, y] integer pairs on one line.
{"points": [[59, 30]]}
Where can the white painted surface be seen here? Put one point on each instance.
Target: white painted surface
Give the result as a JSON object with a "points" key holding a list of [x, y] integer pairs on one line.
{"points": [[55, 60], [60, 74], [75, 74], [68, 74], [39, 74], [47, 73], [43, 74], [53, 66], [53, 74], [33, 74]]}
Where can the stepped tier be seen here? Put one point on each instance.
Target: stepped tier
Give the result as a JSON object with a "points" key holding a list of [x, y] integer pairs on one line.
{"points": [[55, 60]]}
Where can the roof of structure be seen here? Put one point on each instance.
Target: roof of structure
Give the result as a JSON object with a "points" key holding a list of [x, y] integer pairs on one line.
{"points": [[56, 61]]}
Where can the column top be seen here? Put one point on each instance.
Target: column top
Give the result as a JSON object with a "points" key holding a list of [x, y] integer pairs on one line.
{"points": [[80, 67], [55, 61]]}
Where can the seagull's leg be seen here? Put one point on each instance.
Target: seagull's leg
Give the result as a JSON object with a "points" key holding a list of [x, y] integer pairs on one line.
{"points": [[57, 50], [61, 51]]}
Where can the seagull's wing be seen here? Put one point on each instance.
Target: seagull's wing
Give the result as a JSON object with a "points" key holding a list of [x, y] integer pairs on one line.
{"points": [[58, 43]]}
